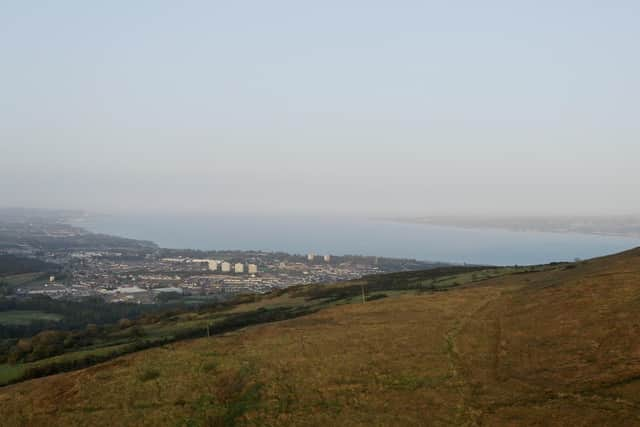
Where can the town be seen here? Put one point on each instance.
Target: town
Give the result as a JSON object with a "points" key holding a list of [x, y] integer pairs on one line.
{"points": [[149, 278], [78, 264]]}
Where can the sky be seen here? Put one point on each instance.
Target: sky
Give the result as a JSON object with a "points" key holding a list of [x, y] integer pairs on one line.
{"points": [[332, 107]]}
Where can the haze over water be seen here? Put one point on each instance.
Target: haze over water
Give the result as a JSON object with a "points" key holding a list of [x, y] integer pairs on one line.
{"points": [[348, 235]]}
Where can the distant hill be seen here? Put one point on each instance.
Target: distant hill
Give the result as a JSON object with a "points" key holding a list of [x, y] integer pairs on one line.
{"points": [[550, 345], [606, 225]]}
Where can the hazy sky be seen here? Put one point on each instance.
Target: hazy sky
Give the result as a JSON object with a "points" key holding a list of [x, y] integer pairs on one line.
{"points": [[395, 107]]}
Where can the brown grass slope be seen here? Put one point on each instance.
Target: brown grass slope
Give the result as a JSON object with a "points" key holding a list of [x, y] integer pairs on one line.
{"points": [[557, 347]]}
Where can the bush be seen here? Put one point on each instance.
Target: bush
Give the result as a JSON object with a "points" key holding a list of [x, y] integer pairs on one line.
{"points": [[124, 323], [148, 375]]}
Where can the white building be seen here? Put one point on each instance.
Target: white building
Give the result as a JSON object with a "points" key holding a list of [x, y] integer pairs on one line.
{"points": [[327, 258], [213, 264], [239, 268], [311, 257], [174, 260], [225, 267], [129, 290], [253, 269]]}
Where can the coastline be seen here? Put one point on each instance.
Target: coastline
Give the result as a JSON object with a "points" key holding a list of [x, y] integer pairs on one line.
{"points": [[631, 234]]}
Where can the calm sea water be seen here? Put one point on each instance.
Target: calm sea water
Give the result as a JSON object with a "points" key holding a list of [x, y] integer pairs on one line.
{"points": [[340, 236]]}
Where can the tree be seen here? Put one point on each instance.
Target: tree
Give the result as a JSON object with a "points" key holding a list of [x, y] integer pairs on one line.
{"points": [[136, 331], [124, 323], [47, 343], [92, 330]]}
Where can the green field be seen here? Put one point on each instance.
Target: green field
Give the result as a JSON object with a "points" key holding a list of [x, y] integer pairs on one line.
{"points": [[24, 279], [9, 373], [24, 317]]}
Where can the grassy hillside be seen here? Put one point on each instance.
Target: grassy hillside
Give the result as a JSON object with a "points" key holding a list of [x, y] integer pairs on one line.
{"points": [[51, 352], [555, 345]]}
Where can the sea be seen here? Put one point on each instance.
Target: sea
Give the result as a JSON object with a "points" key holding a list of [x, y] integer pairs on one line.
{"points": [[358, 236]]}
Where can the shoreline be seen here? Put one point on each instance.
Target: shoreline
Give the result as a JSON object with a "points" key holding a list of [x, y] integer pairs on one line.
{"points": [[516, 229]]}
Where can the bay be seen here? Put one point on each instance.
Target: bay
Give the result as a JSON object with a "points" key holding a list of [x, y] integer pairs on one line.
{"points": [[357, 236]]}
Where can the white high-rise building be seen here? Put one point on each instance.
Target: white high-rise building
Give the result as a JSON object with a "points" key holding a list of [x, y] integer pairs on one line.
{"points": [[253, 269], [225, 267], [327, 258], [239, 268], [311, 257], [213, 265]]}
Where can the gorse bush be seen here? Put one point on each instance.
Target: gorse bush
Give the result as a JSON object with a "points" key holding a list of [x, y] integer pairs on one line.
{"points": [[148, 375]]}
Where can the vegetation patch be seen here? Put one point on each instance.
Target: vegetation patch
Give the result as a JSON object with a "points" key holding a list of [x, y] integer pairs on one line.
{"points": [[413, 382], [25, 317], [234, 395], [10, 373], [16, 265], [148, 374]]}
